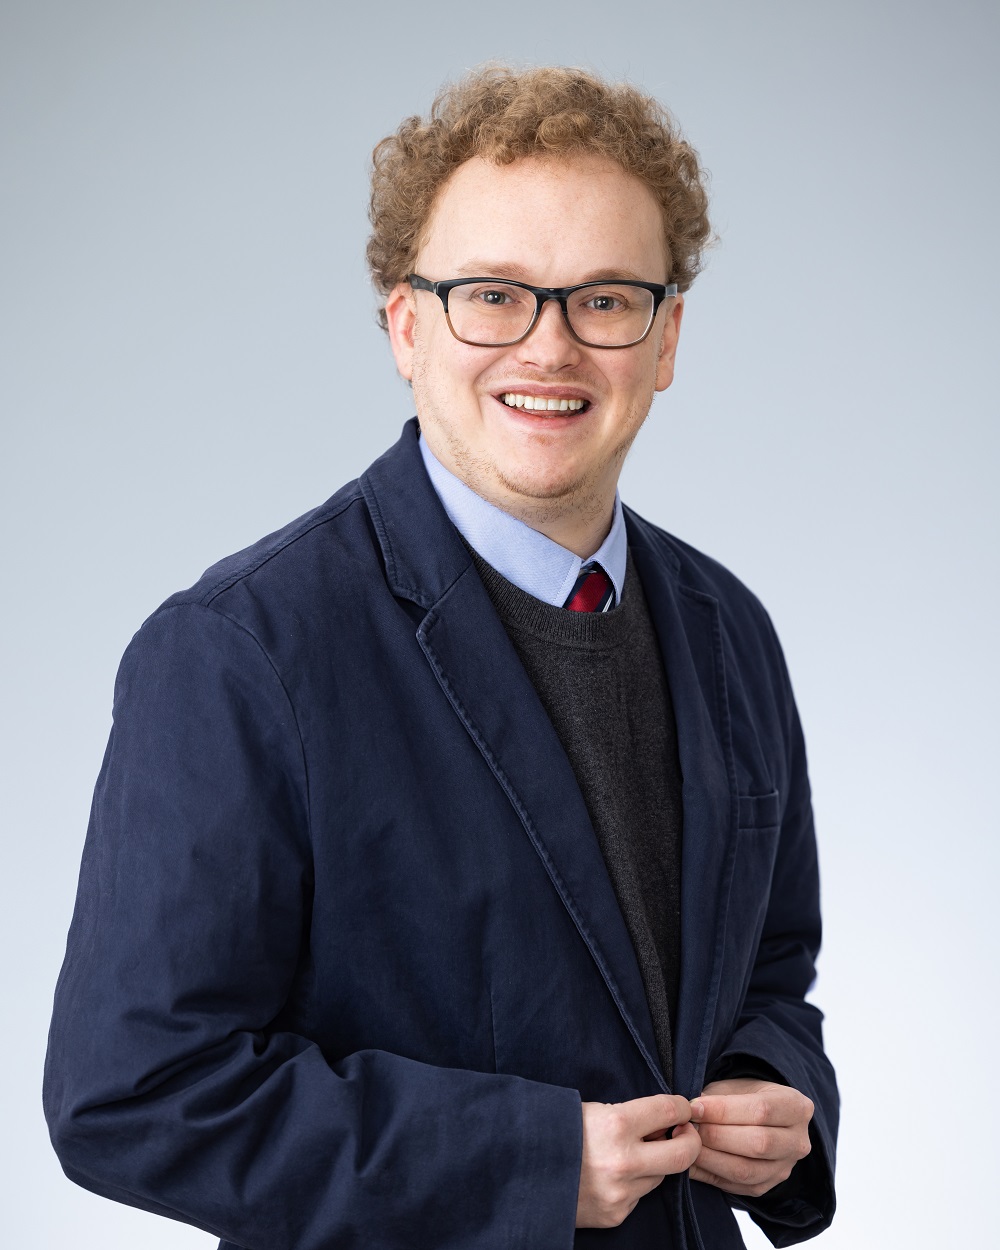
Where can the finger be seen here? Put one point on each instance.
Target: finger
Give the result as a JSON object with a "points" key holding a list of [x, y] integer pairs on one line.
{"points": [[776, 1105], [730, 1187], [698, 1173], [756, 1142], [659, 1111], [737, 1174], [666, 1158]]}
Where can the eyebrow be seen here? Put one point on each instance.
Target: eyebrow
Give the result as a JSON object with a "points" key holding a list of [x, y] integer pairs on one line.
{"points": [[480, 268]]}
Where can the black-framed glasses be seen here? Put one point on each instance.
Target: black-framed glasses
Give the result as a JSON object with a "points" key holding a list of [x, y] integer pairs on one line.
{"points": [[496, 312]]}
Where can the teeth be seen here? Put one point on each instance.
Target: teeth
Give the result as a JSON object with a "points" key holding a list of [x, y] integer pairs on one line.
{"points": [[539, 403]]}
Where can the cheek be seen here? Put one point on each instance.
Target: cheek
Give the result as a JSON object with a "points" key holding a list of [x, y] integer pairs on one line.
{"points": [[435, 355], [635, 387], [443, 384], [430, 379]]}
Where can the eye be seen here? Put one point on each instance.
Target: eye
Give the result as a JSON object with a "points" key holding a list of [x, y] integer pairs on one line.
{"points": [[494, 298], [605, 302], [493, 295]]}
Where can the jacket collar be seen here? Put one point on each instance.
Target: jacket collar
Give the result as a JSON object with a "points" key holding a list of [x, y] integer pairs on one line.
{"points": [[421, 548]]}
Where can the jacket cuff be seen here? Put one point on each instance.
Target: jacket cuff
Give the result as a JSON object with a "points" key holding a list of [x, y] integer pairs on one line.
{"points": [[803, 1201]]}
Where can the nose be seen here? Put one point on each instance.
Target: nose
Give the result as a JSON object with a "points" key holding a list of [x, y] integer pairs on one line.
{"points": [[549, 346]]}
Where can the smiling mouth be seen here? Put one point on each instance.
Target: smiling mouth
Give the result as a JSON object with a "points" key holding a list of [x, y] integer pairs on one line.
{"points": [[542, 403]]}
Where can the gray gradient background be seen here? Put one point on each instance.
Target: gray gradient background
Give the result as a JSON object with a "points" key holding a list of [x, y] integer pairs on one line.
{"points": [[189, 359]]}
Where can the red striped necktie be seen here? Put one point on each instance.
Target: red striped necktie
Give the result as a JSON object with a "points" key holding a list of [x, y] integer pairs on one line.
{"points": [[593, 591]]}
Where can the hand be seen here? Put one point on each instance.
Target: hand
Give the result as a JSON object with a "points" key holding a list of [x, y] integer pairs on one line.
{"points": [[626, 1153], [752, 1132]]}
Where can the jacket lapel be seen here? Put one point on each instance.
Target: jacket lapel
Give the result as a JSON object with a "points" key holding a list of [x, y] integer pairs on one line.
{"points": [[687, 624], [478, 669]]}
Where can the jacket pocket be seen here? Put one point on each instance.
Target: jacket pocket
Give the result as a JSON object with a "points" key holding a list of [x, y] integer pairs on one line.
{"points": [[753, 863], [760, 811]]}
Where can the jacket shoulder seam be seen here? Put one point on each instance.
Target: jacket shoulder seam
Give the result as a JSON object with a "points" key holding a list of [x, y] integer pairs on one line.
{"points": [[252, 566]]}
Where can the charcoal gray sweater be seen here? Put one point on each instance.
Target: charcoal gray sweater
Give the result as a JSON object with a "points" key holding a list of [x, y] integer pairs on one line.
{"points": [[601, 680]]}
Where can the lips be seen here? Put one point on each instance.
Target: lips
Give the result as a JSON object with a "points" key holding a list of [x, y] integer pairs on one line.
{"points": [[548, 404]]}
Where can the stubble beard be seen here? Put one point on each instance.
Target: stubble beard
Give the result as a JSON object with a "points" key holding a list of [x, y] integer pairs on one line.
{"points": [[582, 497], [528, 501]]}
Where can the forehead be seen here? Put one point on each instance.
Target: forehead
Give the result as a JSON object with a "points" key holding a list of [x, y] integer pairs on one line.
{"points": [[551, 222]]}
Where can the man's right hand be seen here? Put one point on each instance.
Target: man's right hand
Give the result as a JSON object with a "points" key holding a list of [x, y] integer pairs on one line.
{"points": [[626, 1154]]}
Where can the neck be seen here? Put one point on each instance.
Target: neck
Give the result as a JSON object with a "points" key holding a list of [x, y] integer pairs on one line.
{"points": [[579, 521], [580, 530], [583, 541]]}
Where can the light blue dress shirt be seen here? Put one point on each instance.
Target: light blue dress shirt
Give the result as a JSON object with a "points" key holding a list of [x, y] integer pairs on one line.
{"points": [[524, 556]]}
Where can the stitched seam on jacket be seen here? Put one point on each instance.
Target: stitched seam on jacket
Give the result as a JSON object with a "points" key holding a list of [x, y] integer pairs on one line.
{"points": [[417, 593], [725, 721], [253, 566]]}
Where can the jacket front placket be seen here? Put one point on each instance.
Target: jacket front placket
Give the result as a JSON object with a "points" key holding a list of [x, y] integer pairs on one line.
{"points": [[689, 631]]}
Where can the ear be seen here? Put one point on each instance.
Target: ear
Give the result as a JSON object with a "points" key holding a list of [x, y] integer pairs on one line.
{"points": [[668, 343], [401, 316]]}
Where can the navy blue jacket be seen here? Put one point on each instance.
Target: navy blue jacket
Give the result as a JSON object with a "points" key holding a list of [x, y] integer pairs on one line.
{"points": [[346, 957]]}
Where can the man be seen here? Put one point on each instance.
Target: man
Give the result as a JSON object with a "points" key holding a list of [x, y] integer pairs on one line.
{"points": [[451, 879]]}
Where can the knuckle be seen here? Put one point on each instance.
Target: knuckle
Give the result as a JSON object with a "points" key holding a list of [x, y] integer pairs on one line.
{"points": [[761, 1143], [626, 1209], [669, 1108], [745, 1173], [679, 1108], [687, 1160], [618, 1202], [618, 1120], [617, 1195], [763, 1109], [614, 1178], [616, 1125]]}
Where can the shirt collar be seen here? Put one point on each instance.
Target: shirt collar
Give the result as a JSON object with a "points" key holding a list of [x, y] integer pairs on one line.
{"points": [[522, 555]]}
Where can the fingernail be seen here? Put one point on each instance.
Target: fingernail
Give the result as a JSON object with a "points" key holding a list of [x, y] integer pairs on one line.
{"points": [[697, 1110]]}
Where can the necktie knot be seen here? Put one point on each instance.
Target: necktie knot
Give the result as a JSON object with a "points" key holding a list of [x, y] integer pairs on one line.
{"points": [[593, 591]]}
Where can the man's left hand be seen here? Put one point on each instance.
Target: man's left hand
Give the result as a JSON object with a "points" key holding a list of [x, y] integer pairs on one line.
{"points": [[752, 1132]]}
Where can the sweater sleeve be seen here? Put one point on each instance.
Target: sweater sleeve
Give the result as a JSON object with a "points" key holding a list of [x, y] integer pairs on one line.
{"points": [[174, 1081]]}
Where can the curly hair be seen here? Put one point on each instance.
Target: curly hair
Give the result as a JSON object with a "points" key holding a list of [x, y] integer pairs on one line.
{"points": [[503, 114]]}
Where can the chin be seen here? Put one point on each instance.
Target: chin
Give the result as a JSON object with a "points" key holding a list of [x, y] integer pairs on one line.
{"points": [[530, 483]]}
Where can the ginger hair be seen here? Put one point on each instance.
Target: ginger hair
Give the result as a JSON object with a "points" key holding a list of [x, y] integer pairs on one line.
{"points": [[502, 114]]}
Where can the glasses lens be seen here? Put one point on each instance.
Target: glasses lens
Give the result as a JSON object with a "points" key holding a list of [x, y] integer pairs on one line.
{"points": [[490, 312], [610, 315]]}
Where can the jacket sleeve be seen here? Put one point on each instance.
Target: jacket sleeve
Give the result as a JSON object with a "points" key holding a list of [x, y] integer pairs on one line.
{"points": [[173, 1080], [779, 1034]]}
